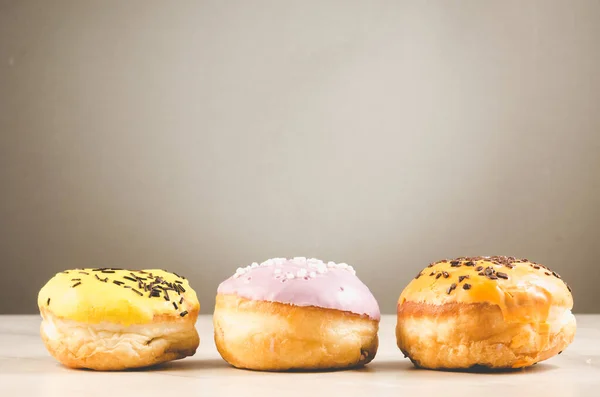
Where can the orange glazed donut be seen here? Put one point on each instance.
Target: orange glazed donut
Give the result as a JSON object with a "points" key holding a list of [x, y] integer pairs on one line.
{"points": [[497, 312]]}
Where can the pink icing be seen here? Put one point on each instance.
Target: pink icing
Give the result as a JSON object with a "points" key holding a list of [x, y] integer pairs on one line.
{"points": [[303, 282]]}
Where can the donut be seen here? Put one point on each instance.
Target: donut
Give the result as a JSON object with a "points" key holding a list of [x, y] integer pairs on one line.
{"points": [[491, 311], [295, 314], [114, 319]]}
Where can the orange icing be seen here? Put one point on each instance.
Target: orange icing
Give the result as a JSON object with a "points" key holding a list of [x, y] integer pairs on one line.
{"points": [[526, 295]]}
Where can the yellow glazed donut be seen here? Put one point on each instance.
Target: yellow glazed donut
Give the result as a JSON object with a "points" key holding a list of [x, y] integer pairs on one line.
{"points": [[497, 312], [114, 319]]}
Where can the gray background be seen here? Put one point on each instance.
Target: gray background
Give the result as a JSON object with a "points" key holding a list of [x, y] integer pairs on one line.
{"points": [[201, 136]]}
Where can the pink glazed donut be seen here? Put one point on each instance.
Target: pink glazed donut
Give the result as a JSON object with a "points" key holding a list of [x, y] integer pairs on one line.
{"points": [[297, 313]]}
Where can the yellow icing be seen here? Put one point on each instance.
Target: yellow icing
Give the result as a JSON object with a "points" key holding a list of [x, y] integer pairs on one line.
{"points": [[94, 301]]}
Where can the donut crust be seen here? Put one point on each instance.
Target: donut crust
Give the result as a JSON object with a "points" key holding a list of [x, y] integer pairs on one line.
{"points": [[113, 347], [273, 336], [461, 336]]}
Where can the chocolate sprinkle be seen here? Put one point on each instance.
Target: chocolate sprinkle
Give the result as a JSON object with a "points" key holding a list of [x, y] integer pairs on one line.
{"points": [[118, 282], [547, 274], [446, 275], [101, 279], [48, 302], [461, 278], [183, 313], [466, 286], [470, 263], [536, 266], [175, 305], [452, 287], [455, 264], [75, 279], [555, 274], [137, 292], [431, 274], [416, 277], [129, 278], [84, 273], [76, 284], [181, 300], [569, 288], [438, 275], [479, 268], [502, 275]]}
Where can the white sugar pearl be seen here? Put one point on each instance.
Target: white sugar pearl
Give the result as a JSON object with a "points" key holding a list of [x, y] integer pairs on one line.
{"points": [[312, 274], [254, 265], [289, 275], [240, 270], [330, 264], [277, 271], [321, 270], [236, 275], [301, 273], [343, 265]]}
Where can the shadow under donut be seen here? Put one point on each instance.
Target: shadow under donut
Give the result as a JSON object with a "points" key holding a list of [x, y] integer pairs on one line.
{"points": [[406, 365]]}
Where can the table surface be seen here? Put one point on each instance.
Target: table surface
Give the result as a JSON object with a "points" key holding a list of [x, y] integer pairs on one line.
{"points": [[26, 369]]}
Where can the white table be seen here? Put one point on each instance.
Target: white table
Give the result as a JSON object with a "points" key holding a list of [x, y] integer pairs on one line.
{"points": [[26, 369]]}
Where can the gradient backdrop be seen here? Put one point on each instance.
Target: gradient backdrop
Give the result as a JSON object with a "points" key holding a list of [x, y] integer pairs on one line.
{"points": [[203, 136]]}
